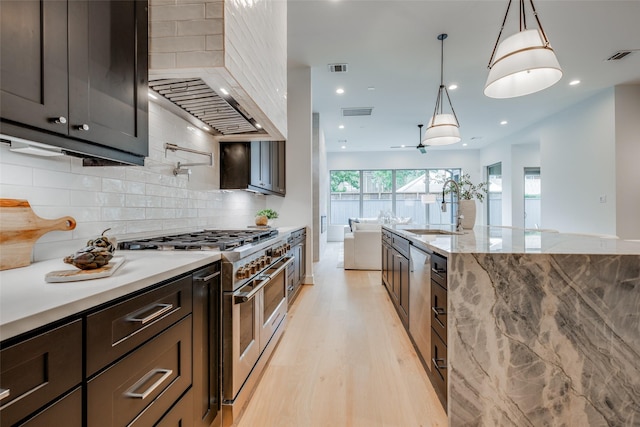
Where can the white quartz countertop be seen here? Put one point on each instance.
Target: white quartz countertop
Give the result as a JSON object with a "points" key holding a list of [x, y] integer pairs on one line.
{"points": [[27, 301], [487, 239]]}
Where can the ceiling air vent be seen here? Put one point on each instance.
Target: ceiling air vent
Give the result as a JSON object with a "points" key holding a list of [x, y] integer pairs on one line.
{"points": [[338, 68], [360, 111], [619, 55]]}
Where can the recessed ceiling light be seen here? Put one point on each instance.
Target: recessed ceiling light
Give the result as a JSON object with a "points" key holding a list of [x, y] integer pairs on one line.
{"points": [[453, 86], [371, 88], [224, 91], [574, 82], [464, 144], [343, 147], [152, 96], [340, 91], [504, 122], [402, 146], [341, 127]]}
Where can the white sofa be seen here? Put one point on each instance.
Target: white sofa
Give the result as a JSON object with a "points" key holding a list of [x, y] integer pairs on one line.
{"points": [[363, 247]]}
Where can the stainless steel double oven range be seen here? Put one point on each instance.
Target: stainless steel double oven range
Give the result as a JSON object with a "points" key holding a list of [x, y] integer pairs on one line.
{"points": [[254, 301]]}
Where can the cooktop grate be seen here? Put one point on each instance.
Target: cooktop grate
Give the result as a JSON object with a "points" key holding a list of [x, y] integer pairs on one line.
{"points": [[223, 240]]}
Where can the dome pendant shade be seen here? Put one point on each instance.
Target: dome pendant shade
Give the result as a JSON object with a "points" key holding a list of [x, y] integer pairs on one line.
{"points": [[442, 130], [523, 64]]}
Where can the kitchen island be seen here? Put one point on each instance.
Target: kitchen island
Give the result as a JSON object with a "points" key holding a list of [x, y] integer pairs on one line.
{"points": [[543, 328]]}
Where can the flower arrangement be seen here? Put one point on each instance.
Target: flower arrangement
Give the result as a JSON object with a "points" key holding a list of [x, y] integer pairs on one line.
{"points": [[269, 213], [469, 190]]}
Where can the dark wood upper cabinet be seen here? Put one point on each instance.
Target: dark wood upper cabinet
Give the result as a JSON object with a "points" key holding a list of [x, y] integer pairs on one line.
{"points": [[33, 55], [256, 165], [262, 164], [74, 75]]}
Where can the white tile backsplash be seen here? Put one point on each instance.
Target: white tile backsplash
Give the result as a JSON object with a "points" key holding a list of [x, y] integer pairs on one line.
{"points": [[134, 201]]}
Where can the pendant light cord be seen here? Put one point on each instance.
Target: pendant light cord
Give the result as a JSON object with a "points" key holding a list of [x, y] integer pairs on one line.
{"points": [[522, 23]]}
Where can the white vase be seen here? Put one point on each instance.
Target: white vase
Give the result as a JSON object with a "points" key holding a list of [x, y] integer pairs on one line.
{"points": [[468, 210]]}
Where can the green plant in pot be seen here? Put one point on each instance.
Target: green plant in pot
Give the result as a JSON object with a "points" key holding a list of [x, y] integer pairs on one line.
{"points": [[468, 192], [265, 216]]}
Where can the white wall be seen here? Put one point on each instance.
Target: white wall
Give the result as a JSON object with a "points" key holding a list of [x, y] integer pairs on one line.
{"points": [[627, 111], [577, 159], [296, 209], [131, 200], [320, 188]]}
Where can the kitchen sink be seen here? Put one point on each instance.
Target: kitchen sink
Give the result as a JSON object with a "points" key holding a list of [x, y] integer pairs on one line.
{"points": [[433, 231]]}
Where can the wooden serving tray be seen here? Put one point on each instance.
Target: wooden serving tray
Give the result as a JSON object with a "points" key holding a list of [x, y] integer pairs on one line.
{"points": [[76, 275]]}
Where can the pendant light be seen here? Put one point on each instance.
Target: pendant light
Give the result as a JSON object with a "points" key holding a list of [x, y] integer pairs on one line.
{"points": [[523, 63], [421, 146], [443, 128]]}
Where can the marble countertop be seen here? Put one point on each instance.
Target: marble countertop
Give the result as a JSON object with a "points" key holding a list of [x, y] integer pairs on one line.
{"points": [[507, 240], [27, 301]]}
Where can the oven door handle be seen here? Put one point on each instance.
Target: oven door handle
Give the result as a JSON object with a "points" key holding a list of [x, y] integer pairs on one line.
{"points": [[288, 262], [240, 297]]}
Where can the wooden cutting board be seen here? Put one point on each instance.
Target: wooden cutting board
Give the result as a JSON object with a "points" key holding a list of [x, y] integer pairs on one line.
{"points": [[76, 274], [20, 227]]}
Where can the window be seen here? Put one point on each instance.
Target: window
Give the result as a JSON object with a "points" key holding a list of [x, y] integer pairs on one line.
{"points": [[345, 196], [367, 193], [494, 196]]}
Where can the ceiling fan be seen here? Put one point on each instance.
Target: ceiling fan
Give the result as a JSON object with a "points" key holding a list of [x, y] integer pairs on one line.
{"points": [[421, 146]]}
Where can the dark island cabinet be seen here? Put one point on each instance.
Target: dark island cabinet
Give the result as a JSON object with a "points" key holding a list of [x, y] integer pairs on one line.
{"points": [[74, 75], [395, 272]]}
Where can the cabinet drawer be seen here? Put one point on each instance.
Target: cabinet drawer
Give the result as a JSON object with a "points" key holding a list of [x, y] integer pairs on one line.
{"points": [[38, 370], [439, 364], [179, 416], [146, 383], [120, 328], [439, 269], [439, 310], [68, 409], [401, 244]]}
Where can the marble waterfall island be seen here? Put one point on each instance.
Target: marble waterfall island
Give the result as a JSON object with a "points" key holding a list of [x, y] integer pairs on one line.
{"points": [[544, 339]]}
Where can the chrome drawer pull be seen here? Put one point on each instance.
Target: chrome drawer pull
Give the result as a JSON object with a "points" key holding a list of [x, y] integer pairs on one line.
{"points": [[436, 361], [206, 278], [439, 311], [4, 392], [166, 373], [163, 309]]}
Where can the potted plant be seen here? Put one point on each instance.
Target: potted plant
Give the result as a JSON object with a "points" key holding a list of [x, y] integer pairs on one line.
{"points": [[468, 192], [265, 217]]}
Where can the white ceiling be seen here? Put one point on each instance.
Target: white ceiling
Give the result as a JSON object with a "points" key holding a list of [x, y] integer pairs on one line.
{"points": [[392, 46]]}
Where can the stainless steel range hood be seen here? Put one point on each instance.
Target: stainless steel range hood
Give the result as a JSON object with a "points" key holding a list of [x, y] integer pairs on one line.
{"points": [[219, 112]]}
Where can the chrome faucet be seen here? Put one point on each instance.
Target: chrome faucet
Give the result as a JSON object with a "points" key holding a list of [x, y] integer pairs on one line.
{"points": [[443, 206]]}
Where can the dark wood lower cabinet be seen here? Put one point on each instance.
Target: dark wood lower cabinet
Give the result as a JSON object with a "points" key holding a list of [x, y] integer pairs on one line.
{"points": [[139, 389], [66, 411], [39, 370], [395, 272], [151, 358], [180, 414]]}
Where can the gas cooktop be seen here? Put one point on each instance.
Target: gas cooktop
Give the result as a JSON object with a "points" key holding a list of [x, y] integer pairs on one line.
{"points": [[224, 240]]}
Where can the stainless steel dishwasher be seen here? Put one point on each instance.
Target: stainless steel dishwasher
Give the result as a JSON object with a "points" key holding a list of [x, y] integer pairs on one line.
{"points": [[420, 302]]}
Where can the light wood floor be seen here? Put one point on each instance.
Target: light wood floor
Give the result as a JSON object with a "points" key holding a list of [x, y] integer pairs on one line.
{"points": [[344, 360]]}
